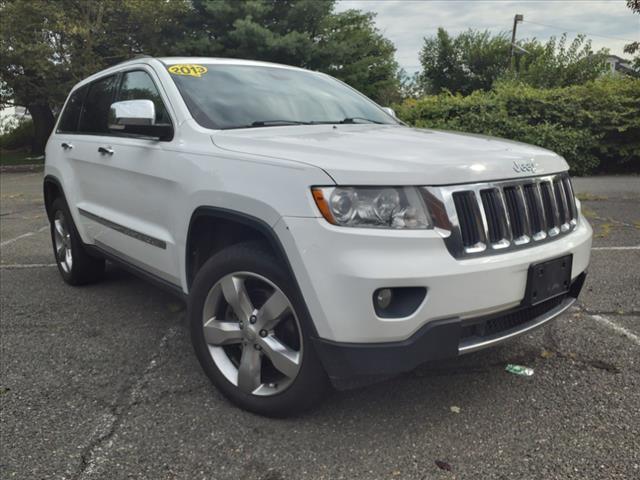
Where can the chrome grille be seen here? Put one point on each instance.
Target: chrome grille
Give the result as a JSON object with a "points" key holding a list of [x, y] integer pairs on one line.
{"points": [[489, 218]]}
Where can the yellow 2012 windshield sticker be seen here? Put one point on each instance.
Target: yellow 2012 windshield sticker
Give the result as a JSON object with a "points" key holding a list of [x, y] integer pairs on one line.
{"points": [[188, 69]]}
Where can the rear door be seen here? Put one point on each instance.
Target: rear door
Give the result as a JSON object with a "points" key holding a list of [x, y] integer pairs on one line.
{"points": [[81, 129], [64, 146], [127, 182]]}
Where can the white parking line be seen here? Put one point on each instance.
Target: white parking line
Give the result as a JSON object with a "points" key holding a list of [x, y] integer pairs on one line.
{"points": [[617, 328], [24, 235], [11, 266], [636, 247]]}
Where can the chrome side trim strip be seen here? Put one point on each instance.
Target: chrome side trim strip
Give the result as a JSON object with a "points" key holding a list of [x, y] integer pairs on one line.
{"points": [[124, 230], [468, 347]]}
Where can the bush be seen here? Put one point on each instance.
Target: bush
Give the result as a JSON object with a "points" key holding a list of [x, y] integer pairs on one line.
{"points": [[20, 137], [594, 126]]}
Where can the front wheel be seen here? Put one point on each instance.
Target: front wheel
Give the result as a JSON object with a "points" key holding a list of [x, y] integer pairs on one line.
{"points": [[251, 334]]}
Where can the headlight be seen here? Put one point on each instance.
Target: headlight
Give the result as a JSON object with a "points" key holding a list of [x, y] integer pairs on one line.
{"points": [[380, 207]]}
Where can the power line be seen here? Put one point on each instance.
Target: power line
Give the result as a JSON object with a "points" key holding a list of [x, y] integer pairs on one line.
{"points": [[576, 31]]}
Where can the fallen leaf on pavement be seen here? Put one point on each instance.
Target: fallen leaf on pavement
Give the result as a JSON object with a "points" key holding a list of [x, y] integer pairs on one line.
{"points": [[443, 465]]}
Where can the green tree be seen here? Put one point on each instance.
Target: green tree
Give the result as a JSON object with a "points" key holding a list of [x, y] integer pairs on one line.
{"points": [[271, 30], [410, 85], [48, 46], [33, 62], [558, 64], [352, 49], [473, 60], [304, 33], [634, 47]]}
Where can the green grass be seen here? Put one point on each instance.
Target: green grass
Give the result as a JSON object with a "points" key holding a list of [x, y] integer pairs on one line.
{"points": [[587, 197], [19, 158]]}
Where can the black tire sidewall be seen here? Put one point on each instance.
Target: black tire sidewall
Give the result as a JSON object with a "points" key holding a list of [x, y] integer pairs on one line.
{"points": [[84, 268], [310, 384]]}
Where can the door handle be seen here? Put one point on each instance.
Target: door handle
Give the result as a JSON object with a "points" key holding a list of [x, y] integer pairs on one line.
{"points": [[105, 150], [66, 146]]}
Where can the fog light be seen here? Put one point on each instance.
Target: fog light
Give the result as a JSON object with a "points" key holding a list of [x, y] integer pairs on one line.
{"points": [[397, 302], [383, 298]]}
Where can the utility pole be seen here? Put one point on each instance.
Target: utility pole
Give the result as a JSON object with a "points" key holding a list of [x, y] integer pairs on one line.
{"points": [[516, 19]]}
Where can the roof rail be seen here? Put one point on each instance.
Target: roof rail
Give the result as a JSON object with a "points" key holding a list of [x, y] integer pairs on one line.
{"points": [[140, 55]]}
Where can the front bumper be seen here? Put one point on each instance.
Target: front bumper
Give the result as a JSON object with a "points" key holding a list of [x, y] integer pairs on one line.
{"points": [[338, 269], [438, 340]]}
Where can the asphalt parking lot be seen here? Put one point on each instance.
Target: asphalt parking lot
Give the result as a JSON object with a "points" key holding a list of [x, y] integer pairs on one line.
{"points": [[100, 382]]}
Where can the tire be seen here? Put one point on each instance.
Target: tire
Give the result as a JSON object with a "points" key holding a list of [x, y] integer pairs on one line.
{"points": [[75, 264], [272, 328]]}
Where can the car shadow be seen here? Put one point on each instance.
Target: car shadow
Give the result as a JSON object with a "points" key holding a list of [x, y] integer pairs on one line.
{"points": [[430, 390]]}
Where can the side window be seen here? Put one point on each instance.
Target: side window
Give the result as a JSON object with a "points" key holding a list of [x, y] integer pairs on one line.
{"points": [[138, 85], [95, 111], [71, 114]]}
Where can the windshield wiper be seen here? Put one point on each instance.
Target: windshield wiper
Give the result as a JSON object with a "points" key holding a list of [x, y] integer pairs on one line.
{"points": [[267, 123], [275, 123], [353, 120], [347, 120]]}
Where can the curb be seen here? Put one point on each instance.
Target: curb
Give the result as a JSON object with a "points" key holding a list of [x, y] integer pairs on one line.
{"points": [[35, 167]]}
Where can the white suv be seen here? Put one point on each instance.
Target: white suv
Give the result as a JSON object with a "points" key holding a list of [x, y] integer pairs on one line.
{"points": [[316, 237]]}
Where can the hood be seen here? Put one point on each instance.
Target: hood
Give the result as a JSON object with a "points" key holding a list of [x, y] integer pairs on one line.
{"points": [[394, 154]]}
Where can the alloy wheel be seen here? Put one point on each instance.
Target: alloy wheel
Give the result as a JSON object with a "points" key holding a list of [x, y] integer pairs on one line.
{"points": [[252, 333], [62, 239]]}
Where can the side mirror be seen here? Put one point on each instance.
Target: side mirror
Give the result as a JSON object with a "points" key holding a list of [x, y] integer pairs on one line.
{"points": [[137, 117], [131, 112], [390, 111]]}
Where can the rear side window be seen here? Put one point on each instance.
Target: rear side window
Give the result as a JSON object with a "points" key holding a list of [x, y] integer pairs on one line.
{"points": [[138, 85], [95, 112], [71, 114]]}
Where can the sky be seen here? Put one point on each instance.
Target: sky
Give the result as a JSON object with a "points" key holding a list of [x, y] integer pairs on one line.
{"points": [[608, 23]]}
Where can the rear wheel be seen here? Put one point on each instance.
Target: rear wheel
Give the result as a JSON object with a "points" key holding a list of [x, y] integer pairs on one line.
{"points": [[76, 266], [251, 334]]}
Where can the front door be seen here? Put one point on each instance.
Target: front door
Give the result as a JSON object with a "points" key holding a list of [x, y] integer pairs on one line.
{"points": [[127, 183]]}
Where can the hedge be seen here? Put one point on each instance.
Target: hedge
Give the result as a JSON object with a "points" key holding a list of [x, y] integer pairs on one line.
{"points": [[594, 126], [20, 137]]}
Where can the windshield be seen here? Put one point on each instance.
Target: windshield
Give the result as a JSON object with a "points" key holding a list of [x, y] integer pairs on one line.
{"points": [[242, 96]]}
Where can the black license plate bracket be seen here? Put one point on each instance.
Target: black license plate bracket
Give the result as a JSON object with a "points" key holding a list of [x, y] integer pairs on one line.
{"points": [[548, 279]]}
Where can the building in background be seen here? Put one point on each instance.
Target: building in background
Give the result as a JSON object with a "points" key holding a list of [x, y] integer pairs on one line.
{"points": [[619, 66]]}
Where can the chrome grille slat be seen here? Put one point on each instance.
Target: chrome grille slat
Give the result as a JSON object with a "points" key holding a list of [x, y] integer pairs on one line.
{"points": [[483, 216], [563, 205], [550, 208], [543, 214], [525, 211], [531, 194], [470, 221], [516, 215], [505, 217], [495, 232], [489, 218], [568, 189]]}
